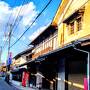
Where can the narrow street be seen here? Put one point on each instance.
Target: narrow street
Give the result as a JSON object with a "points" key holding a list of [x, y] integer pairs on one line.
{"points": [[5, 86], [44, 44]]}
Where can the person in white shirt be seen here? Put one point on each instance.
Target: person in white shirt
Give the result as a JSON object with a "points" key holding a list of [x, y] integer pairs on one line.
{"points": [[10, 77]]}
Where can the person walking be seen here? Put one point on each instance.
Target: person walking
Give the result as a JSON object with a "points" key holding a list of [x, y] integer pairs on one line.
{"points": [[10, 78], [7, 77]]}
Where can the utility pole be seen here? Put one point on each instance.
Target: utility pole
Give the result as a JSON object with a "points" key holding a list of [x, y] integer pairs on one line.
{"points": [[9, 41], [0, 53], [9, 38]]}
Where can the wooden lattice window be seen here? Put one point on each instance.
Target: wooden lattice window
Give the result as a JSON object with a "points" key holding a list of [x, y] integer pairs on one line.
{"points": [[79, 24], [74, 22], [71, 25]]}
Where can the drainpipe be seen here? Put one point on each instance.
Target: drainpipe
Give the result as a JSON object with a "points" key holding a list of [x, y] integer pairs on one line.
{"points": [[88, 58]]}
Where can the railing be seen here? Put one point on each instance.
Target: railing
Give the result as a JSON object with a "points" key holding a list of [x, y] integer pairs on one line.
{"points": [[42, 52], [45, 47]]}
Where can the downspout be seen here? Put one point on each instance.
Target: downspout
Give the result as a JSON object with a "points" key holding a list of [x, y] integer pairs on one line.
{"points": [[88, 58]]}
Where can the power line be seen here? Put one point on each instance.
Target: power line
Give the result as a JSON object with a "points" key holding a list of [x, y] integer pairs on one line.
{"points": [[7, 38], [12, 25], [10, 16], [14, 21], [18, 14], [19, 20], [15, 1], [31, 24], [10, 33], [11, 28]]}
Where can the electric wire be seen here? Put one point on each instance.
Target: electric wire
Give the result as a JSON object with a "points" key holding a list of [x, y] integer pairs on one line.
{"points": [[14, 21], [18, 14], [20, 10], [36, 18], [15, 27], [21, 19], [31, 24], [5, 43]]}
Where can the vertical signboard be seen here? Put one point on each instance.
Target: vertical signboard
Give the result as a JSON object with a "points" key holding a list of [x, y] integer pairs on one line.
{"points": [[25, 79], [9, 59]]}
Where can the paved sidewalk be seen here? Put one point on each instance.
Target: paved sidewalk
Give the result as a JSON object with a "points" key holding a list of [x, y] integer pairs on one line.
{"points": [[18, 85]]}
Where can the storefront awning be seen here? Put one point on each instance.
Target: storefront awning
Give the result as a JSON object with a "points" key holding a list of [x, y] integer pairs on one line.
{"points": [[59, 51], [65, 50]]}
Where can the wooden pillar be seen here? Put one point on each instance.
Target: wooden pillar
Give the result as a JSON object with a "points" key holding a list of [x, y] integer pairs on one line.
{"points": [[61, 75]]}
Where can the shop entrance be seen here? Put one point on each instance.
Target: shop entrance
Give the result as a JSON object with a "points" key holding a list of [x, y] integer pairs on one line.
{"points": [[48, 69], [75, 71]]}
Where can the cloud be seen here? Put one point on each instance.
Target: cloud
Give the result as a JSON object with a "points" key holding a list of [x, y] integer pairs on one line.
{"points": [[38, 32], [26, 16], [28, 13]]}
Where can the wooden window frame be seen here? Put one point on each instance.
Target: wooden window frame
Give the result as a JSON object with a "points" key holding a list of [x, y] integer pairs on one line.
{"points": [[71, 27], [79, 24]]}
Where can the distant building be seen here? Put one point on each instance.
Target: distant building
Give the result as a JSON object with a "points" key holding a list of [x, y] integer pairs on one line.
{"points": [[17, 67], [22, 57], [45, 43]]}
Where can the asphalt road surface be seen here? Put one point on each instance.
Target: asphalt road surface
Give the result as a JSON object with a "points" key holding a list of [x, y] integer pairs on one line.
{"points": [[5, 86]]}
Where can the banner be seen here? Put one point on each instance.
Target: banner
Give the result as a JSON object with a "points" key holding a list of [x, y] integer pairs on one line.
{"points": [[25, 79]]}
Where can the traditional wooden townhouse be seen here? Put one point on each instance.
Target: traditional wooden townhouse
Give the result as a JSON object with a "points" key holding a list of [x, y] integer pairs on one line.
{"points": [[65, 67], [72, 20], [43, 44], [41, 69], [18, 66]]}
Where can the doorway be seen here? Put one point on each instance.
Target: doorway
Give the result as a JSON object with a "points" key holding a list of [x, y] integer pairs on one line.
{"points": [[75, 72]]}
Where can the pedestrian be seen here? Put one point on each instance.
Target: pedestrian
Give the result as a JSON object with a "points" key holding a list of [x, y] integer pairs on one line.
{"points": [[10, 78], [7, 77]]}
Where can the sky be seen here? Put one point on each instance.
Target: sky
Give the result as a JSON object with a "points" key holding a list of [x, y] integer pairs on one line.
{"points": [[25, 11]]}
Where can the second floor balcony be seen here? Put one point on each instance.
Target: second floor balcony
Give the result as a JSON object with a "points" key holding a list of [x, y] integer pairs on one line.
{"points": [[42, 52], [46, 46]]}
